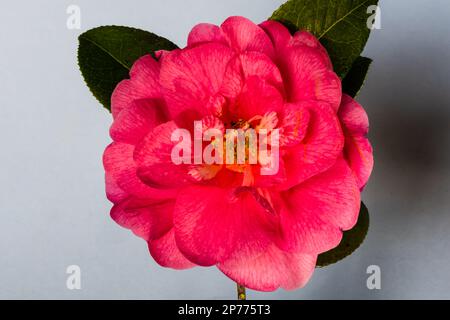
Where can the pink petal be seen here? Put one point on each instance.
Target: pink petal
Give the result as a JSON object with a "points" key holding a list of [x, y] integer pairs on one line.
{"points": [[278, 33], [359, 153], [191, 77], [244, 35], [211, 122], [247, 65], [307, 39], [256, 99], [133, 123], [272, 180], [160, 54], [166, 253], [358, 150], [143, 84], [206, 32], [315, 212], [308, 77], [353, 116], [294, 124], [320, 148], [153, 158], [121, 169], [146, 219], [269, 268], [113, 192], [209, 228]]}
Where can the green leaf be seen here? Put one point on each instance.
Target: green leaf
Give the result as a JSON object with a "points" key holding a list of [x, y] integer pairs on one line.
{"points": [[106, 54], [351, 241], [355, 78], [340, 25]]}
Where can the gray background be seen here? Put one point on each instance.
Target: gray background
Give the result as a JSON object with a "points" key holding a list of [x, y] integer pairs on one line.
{"points": [[52, 132]]}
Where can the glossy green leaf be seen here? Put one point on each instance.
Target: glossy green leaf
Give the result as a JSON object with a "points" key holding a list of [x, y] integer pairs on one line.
{"points": [[351, 241], [106, 54], [340, 25]]}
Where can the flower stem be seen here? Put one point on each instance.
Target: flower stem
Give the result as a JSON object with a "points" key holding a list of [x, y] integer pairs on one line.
{"points": [[241, 292]]}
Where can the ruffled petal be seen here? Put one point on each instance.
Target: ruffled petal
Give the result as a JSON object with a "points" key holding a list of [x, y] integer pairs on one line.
{"points": [[294, 124], [278, 33], [243, 35], [319, 149], [314, 213], [121, 169], [133, 123], [257, 98], [304, 38], [114, 193], [272, 178], [353, 116], [308, 77], [358, 150], [148, 220], [153, 156], [166, 253], [247, 65], [269, 268], [143, 84], [206, 32], [209, 228], [192, 77]]}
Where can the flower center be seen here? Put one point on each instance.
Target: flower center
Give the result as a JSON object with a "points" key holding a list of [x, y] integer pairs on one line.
{"points": [[239, 148], [241, 144]]}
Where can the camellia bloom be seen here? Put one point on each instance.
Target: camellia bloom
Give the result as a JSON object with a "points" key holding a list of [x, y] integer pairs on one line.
{"points": [[262, 231]]}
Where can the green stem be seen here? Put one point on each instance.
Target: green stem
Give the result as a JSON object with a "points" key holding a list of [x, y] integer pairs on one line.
{"points": [[241, 292]]}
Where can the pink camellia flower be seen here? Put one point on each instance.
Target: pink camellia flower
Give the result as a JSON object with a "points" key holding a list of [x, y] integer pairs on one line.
{"points": [[262, 231]]}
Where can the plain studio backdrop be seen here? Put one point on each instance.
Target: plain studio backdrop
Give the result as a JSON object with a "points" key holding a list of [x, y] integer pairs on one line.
{"points": [[53, 208]]}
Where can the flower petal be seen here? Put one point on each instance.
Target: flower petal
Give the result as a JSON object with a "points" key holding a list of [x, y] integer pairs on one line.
{"points": [[247, 65], [269, 268], [315, 212], [270, 179], [243, 35], [191, 77], [143, 84], [210, 223], [257, 98], [304, 38], [358, 150], [294, 124], [153, 157], [206, 32], [146, 219], [133, 123], [308, 77], [113, 192], [166, 253], [353, 116], [121, 172], [320, 148], [278, 33]]}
